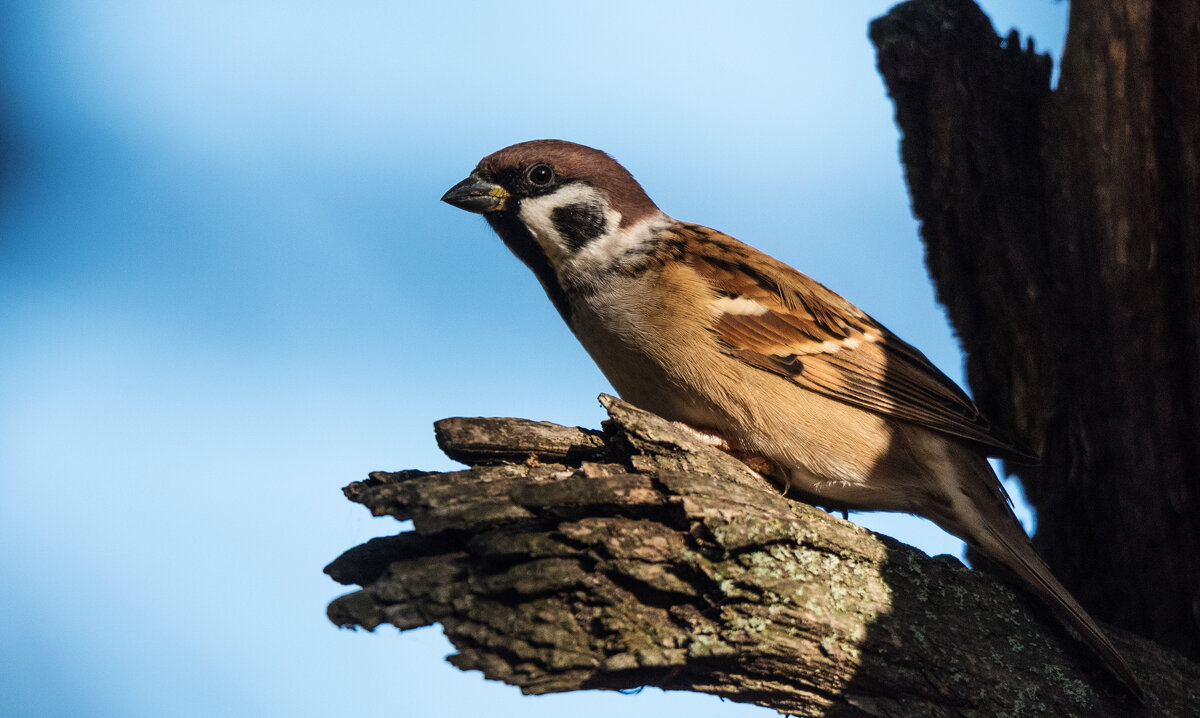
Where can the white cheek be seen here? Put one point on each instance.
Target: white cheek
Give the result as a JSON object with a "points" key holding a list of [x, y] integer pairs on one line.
{"points": [[614, 246], [537, 213]]}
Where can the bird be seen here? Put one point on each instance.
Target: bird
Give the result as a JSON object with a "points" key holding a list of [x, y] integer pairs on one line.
{"points": [[701, 329]]}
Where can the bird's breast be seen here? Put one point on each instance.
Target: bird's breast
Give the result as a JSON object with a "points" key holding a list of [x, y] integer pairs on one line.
{"points": [[652, 338], [652, 346]]}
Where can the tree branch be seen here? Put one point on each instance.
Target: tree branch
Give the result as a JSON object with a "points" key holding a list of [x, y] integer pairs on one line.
{"points": [[567, 559]]}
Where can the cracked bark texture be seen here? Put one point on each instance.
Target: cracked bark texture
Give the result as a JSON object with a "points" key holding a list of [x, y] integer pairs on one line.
{"points": [[1062, 231], [566, 559]]}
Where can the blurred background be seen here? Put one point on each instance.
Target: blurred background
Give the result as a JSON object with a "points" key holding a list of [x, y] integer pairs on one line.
{"points": [[228, 288]]}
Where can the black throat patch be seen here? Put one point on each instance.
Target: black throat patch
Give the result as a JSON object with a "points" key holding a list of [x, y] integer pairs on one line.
{"points": [[578, 224], [521, 242]]}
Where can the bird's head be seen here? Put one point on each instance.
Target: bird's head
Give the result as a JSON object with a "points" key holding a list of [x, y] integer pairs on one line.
{"points": [[557, 204], [565, 195]]}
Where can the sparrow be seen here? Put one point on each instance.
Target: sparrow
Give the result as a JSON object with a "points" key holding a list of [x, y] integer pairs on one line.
{"points": [[697, 327]]}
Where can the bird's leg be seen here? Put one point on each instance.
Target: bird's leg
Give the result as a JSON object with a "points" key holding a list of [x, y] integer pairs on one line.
{"points": [[714, 440], [757, 463]]}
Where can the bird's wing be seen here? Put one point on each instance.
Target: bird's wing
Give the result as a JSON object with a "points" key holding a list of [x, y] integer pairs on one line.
{"points": [[772, 317]]}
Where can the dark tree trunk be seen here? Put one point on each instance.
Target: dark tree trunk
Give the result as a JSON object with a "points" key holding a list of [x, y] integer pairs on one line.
{"points": [[1062, 230]]}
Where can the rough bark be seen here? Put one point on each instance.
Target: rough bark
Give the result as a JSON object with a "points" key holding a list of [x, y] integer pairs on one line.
{"points": [[1062, 231], [566, 559]]}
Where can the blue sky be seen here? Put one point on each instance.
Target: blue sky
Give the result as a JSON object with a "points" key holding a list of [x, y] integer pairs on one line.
{"points": [[227, 288]]}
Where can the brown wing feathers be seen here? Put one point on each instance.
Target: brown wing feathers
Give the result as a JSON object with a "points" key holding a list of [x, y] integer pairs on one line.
{"points": [[805, 332]]}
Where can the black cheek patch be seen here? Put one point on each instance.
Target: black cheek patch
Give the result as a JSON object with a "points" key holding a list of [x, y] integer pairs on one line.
{"points": [[579, 224]]}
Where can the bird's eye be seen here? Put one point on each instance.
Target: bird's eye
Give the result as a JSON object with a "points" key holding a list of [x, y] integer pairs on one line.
{"points": [[540, 175]]}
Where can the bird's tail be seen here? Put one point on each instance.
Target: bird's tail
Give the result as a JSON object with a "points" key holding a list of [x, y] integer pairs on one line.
{"points": [[1011, 547]]}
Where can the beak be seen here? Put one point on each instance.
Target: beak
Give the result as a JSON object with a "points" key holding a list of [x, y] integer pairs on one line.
{"points": [[477, 195]]}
